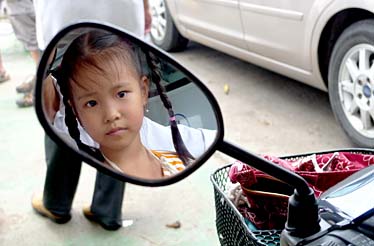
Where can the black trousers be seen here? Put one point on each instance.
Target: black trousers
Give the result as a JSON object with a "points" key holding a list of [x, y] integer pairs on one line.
{"points": [[63, 170]]}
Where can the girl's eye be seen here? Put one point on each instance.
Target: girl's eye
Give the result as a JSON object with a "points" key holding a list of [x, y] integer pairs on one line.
{"points": [[91, 103], [121, 94]]}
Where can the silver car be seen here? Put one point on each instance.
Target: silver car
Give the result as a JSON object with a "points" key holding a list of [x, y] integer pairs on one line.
{"points": [[328, 44]]}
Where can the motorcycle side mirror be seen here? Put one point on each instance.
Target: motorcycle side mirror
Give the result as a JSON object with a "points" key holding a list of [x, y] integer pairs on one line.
{"points": [[127, 108], [131, 111]]}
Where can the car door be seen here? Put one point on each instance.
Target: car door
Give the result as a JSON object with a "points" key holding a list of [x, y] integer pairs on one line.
{"points": [[210, 21], [279, 29]]}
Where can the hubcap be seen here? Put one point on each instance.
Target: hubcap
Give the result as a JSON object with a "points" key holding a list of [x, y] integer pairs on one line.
{"points": [[367, 91], [158, 11], [356, 88]]}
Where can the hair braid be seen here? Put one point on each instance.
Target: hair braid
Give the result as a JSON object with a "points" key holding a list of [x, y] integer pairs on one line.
{"points": [[70, 118], [155, 75]]}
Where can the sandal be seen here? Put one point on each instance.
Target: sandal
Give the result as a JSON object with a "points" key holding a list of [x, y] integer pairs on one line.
{"points": [[26, 101], [38, 206], [26, 86], [90, 216], [4, 76]]}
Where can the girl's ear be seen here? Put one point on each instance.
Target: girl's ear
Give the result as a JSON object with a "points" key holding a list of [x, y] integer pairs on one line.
{"points": [[144, 86]]}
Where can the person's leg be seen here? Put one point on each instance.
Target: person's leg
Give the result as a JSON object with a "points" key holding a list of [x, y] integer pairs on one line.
{"points": [[28, 85], [106, 206], [2, 68], [24, 28], [35, 55], [63, 170], [4, 76]]}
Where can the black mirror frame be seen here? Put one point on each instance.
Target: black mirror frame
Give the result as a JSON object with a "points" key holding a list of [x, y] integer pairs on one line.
{"points": [[41, 73]]}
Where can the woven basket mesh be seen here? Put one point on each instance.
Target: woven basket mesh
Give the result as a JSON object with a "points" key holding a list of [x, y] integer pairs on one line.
{"points": [[231, 227]]}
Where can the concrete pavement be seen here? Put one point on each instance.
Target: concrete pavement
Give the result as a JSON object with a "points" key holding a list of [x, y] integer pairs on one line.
{"points": [[23, 170]]}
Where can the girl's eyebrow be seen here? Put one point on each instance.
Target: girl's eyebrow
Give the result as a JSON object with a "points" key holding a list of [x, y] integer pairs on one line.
{"points": [[115, 86], [121, 84], [89, 94]]}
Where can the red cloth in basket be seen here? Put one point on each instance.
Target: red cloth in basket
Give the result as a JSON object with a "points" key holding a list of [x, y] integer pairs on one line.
{"points": [[268, 197]]}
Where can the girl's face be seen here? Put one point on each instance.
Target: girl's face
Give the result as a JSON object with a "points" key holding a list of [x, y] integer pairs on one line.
{"points": [[109, 103]]}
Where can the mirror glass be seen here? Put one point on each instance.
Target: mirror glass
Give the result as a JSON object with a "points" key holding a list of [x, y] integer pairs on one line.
{"points": [[126, 105]]}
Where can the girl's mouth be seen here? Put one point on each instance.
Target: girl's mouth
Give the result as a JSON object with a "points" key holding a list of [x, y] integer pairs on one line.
{"points": [[116, 131]]}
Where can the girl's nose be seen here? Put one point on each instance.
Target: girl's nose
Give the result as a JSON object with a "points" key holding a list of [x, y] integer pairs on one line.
{"points": [[111, 113]]}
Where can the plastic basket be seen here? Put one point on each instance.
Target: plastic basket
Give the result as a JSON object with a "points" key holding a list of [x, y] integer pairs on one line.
{"points": [[231, 226]]}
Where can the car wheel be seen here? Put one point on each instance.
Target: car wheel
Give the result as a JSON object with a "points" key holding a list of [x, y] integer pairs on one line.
{"points": [[351, 82], [164, 34]]}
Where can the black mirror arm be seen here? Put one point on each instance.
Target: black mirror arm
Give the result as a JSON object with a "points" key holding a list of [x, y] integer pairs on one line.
{"points": [[303, 218], [266, 166]]}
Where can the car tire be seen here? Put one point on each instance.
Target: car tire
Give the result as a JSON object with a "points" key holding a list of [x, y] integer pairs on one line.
{"points": [[351, 82], [164, 34]]}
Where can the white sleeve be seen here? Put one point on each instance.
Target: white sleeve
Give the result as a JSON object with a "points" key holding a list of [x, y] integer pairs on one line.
{"points": [[158, 137], [197, 140]]}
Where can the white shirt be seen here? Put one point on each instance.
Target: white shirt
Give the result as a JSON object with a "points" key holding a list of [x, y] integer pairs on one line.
{"points": [[53, 15], [158, 137]]}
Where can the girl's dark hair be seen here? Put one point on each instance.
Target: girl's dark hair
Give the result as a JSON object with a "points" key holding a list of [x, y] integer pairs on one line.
{"points": [[85, 50], [155, 75]]}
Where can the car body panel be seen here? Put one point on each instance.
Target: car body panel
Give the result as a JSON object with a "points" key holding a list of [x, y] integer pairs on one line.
{"points": [[216, 19], [245, 29], [260, 21]]}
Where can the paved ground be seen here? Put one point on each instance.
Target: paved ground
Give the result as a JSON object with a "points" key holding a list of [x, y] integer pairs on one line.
{"points": [[264, 112]]}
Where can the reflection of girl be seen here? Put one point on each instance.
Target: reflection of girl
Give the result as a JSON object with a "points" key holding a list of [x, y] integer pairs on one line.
{"points": [[104, 87]]}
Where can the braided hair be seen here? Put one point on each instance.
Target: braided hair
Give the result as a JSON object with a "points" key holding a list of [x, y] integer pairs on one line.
{"points": [[179, 146], [83, 51]]}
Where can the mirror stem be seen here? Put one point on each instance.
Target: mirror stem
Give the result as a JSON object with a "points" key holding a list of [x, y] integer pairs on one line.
{"points": [[266, 166], [303, 218]]}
